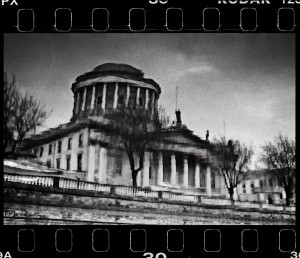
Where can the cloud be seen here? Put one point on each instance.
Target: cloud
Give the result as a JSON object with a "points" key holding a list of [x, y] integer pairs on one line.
{"points": [[204, 68]]}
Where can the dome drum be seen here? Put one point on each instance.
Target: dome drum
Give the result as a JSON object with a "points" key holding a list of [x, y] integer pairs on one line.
{"points": [[113, 86]]}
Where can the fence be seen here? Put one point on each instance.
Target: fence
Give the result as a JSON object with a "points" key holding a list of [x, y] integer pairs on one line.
{"points": [[122, 190]]}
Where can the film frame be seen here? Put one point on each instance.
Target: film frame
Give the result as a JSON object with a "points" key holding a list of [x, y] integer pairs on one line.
{"points": [[149, 240]]}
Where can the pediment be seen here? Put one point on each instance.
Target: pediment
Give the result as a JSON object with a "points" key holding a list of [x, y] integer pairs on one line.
{"points": [[183, 138]]}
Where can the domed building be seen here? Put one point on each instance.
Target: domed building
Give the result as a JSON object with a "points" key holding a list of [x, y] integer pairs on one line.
{"points": [[177, 161]]}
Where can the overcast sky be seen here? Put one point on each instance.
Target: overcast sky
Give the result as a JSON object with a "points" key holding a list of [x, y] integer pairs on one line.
{"points": [[246, 80]]}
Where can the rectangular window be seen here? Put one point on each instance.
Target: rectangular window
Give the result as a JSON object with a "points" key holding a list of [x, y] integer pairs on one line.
{"points": [[99, 101], [41, 151], [79, 162], [69, 143], [118, 160], [59, 147], [244, 188], [80, 142], [68, 159], [202, 179], [48, 163], [50, 149], [270, 182], [261, 183], [213, 180], [58, 163], [252, 187]]}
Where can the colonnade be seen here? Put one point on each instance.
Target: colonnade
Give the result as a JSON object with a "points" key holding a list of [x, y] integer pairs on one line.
{"points": [[82, 105], [146, 169]]}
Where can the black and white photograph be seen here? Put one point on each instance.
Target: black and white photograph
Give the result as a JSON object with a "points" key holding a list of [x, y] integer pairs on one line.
{"points": [[149, 129]]}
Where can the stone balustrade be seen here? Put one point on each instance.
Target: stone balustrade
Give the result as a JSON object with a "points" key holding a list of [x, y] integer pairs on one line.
{"points": [[122, 190]]}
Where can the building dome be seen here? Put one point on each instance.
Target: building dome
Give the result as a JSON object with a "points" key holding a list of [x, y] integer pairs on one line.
{"points": [[118, 68], [109, 86]]}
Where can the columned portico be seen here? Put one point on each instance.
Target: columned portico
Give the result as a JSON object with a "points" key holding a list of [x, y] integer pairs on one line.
{"points": [[197, 175], [84, 99], [147, 99], [116, 95], [104, 96], [77, 102], [91, 163], [173, 169], [93, 97], [102, 165], [127, 95], [208, 180], [160, 168], [185, 172], [137, 97], [146, 169]]}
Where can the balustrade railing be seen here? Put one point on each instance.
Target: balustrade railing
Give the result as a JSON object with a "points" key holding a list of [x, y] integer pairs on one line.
{"points": [[122, 190]]}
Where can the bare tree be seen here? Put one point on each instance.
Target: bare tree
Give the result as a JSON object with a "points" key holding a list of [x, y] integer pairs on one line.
{"points": [[134, 128], [232, 160], [22, 114], [11, 97], [280, 156]]}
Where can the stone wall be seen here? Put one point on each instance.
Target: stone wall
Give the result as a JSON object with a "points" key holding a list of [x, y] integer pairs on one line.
{"points": [[28, 204]]}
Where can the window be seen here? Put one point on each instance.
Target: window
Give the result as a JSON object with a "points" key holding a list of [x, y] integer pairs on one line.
{"points": [[213, 180], [69, 143], [68, 159], [118, 164], [50, 149], [80, 140], [141, 102], [121, 100], [202, 179], [252, 186], [99, 101], [59, 147], [244, 188], [48, 163], [79, 162], [41, 151], [150, 172], [58, 163], [261, 183], [270, 182]]}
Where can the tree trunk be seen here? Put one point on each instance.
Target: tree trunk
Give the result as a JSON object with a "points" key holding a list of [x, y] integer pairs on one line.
{"points": [[134, 175], [288, 196], [231, 194]]}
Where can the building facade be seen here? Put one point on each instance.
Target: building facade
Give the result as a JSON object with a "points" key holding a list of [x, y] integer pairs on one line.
{"points": [[263, 186], [178, 161]]}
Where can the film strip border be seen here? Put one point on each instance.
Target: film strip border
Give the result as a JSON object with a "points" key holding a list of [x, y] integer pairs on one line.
{"points": [[147, 19], [154, 241]]}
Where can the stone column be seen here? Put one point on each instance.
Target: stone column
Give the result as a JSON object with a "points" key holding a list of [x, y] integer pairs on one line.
{"points": [[153, 102], [185, 172], [93, 97], [104, 96], [208, 181], [77, 102], [102, 165], [116, 95], [91, 164], [84, 99], [146, 99], [137, 97], [127, 95], [197, 175], [173, 169], [146, 169], [139, 179], [160, 169]]}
